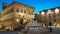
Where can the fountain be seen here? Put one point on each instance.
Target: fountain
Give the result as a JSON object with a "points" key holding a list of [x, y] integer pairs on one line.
{"points": [[34, 28]]}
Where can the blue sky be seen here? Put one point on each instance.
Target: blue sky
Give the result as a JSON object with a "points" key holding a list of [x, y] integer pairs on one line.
{"points": [[37, 4]]}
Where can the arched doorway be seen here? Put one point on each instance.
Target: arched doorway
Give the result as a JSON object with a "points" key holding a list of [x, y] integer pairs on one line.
{"points": [[21, 21], [50, 24]]}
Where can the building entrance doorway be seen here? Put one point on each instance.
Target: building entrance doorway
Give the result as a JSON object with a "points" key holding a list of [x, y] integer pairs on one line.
{"points": [[50, 24], [21, 21]]}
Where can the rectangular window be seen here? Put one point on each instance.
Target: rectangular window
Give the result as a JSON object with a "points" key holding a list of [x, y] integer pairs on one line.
{"points": [[24, 11]]}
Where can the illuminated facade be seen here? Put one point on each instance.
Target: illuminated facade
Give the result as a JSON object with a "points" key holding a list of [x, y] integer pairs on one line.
{"points": [[50, 17], [16, 14]]}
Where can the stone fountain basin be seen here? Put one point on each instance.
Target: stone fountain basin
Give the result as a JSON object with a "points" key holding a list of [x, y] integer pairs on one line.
{"points": [[35, 30]]}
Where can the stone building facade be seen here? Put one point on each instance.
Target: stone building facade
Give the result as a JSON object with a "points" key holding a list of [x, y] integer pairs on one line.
{"points": [[50, 17], [16, 14]]}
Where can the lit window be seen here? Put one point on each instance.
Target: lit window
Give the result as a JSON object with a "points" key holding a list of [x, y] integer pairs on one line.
{"points": [[56, 10], [58, 25], [54, 24], [42, 13]]}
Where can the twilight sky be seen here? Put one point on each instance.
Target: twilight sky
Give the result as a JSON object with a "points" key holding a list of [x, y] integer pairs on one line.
{"points": [[37, 4]]}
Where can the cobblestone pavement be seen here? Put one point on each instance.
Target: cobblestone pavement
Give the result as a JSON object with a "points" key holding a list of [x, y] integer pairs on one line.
{"points": [[54, 31], [8, 32]]}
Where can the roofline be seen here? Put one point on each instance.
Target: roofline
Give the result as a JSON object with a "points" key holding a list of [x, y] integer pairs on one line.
{"points": [[18, 3], [23, 4], [49, 9]]}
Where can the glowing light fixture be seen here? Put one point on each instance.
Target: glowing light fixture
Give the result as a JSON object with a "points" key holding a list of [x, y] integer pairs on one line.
{"points": [[17, 20], [58, 25], [49, 11], [54, 24], [56, 10], [42, 13]]}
